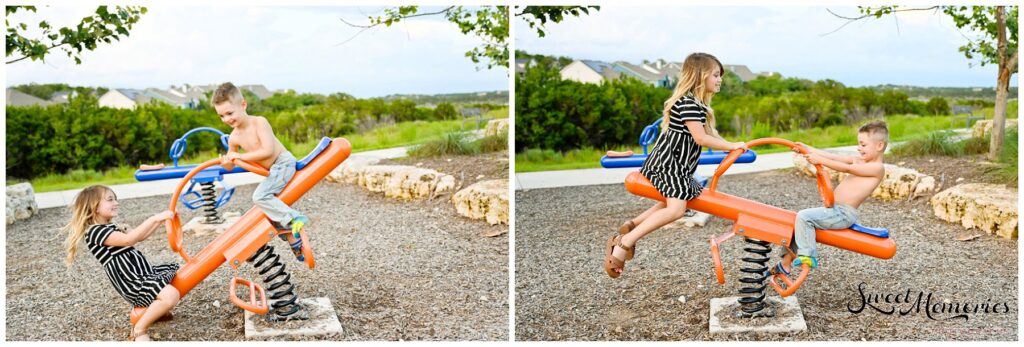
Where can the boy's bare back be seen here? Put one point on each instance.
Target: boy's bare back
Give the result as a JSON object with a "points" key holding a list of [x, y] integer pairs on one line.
{"points": [[255, 135]]}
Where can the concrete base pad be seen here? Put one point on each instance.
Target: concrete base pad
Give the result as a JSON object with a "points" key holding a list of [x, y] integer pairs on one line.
{"points": [[196, 226], [322, 321], [787, 316]]}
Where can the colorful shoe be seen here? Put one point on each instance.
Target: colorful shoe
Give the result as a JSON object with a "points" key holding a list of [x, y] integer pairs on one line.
{"points": [[297, 250], [297, 224], [803, 259]]}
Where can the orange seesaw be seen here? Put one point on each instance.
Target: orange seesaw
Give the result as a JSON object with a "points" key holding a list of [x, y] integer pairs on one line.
{"points": [[247, 240], [761, 224]]}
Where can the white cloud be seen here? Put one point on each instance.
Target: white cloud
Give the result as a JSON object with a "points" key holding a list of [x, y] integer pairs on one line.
{"points": [[280, 47], [922, 50]]}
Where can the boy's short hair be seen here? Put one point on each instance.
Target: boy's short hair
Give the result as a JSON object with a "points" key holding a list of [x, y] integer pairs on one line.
{"points": [[226, 92], [877, 127]]}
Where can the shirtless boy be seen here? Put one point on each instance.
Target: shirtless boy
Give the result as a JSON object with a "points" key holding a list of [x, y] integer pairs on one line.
{"points": [[254, 135], [866, 172]]}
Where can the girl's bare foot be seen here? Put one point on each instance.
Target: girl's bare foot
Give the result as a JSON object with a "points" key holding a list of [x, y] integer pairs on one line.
{"points": [[140, 336]]}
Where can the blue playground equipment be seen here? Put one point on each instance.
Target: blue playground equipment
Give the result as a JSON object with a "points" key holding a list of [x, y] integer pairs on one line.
{"points": [[650, 134], [206, 196]]}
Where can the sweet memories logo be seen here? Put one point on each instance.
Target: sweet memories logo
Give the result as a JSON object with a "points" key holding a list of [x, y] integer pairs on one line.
{"points": [[914, 302]]}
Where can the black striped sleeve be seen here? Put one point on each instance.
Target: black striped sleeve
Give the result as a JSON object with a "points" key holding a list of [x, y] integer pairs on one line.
{"points": [[98, 233], [686, 109]]}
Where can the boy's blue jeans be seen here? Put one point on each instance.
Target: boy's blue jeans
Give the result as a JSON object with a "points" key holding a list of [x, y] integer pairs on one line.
{"points": [[839, 216], [265, 195]]}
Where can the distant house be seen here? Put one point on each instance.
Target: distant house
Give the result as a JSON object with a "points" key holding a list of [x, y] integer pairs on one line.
{"points": [[17, 98], [590, 71], [650, 74], [62, 97], [658, 73], [123, 98], [258, 89], [745, 74], [522, 64], [174, 97]]}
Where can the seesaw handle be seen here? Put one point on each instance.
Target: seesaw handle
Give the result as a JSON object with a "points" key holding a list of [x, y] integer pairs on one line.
{"points": [[253, 305], [824, 182], [173, 225], [791, 286]]}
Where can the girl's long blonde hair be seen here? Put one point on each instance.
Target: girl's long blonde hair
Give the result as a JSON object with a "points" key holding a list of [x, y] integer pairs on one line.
{"points": [[696, 68], [83, 214]]}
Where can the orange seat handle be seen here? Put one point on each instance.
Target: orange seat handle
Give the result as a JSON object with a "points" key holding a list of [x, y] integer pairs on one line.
{"points": [[791, 286], [254, 305], [824, 182]]}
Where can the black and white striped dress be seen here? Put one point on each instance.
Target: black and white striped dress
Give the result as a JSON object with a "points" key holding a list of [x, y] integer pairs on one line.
{"points": [[127, 269], [671, 164]]}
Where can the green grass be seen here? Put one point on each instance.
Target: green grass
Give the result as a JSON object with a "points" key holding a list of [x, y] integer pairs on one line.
{"points": [[449, 144], [901, 128], [1008, 160], [398, 135], [458, 144]]}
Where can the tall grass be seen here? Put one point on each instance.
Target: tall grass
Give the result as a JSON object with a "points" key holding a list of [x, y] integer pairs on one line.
{"points": [[459, 144]]}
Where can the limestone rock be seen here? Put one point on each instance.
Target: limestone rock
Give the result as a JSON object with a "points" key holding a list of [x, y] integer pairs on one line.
{"points": [[350, 169], [496, 126], [989, 207], [484, 200], [411, 182], [982, 127], [21, 202], [395, 181]]}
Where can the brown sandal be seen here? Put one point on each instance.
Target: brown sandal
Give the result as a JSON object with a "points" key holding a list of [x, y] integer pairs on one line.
{"points": [[610, 261], [625, 229]]}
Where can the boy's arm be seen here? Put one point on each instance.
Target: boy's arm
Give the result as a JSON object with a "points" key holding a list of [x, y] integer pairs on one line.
{"points": [[837, 157], [265, 135], [856, 169], [225, 161]]}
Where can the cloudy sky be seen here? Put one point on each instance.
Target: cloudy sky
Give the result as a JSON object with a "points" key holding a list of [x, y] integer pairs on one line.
{"points": [[915, 48], [280, 47]]}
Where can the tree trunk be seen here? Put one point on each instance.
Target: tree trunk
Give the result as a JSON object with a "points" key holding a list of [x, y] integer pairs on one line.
{"points": [[1002, 88]]}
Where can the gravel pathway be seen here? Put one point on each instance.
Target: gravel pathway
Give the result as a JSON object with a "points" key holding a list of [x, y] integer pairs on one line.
{"points": [[562, 292], [393, 270]]}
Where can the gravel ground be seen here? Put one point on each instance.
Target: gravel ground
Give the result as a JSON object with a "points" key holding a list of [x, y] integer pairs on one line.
{"points": [[393, 270], [562, 292]]}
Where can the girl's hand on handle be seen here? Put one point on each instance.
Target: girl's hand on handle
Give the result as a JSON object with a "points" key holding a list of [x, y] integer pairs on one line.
{"points": [[163, 216], [807, 149], [739, 145]]}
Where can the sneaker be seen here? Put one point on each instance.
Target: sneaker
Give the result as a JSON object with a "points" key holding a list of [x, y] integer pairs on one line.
{"points": [[297, 224], [803, 259]]}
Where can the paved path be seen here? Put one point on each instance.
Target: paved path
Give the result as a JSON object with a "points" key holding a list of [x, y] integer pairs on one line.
{"points": [[586, 177], [164, 187]]}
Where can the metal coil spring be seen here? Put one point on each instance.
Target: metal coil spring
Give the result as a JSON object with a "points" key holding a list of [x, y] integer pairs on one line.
{"points": [[280, 289], [210, 204], [753, 300]]}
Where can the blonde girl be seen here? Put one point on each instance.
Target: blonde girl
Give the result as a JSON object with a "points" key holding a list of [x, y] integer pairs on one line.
{"points": [[139, 283], [688, 124]]}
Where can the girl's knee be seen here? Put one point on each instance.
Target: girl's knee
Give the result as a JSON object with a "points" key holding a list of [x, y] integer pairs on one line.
{"points": [[170, 293]]}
